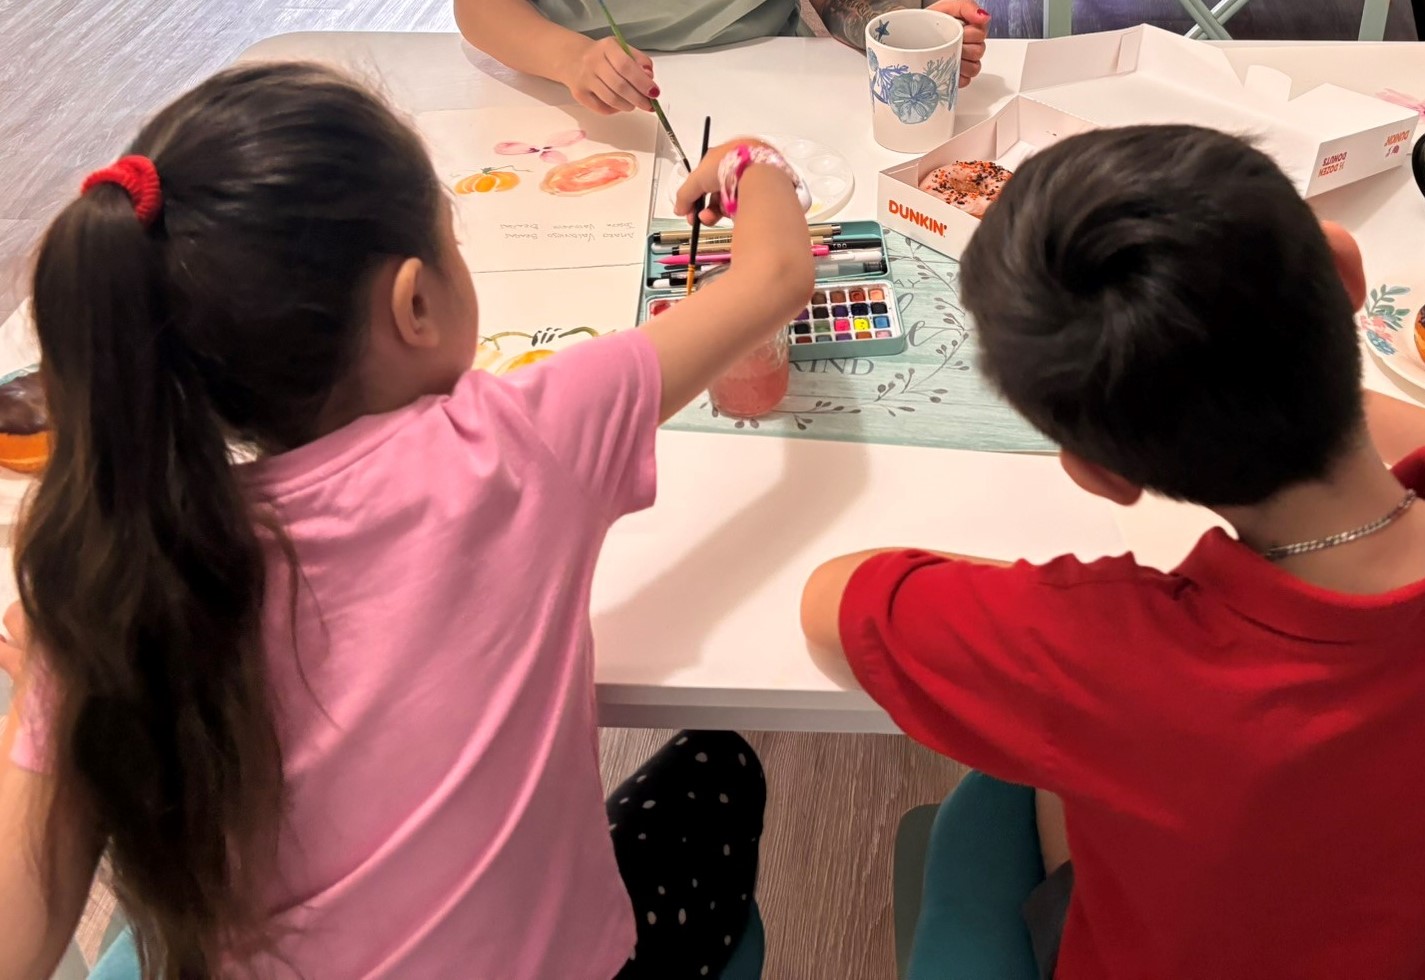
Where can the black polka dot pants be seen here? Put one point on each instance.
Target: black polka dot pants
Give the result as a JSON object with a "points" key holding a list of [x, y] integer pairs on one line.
{"points": [[686, 828]]}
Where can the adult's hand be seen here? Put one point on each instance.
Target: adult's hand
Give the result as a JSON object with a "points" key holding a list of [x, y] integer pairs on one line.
{"points": [[607, 80], [977, 23]]}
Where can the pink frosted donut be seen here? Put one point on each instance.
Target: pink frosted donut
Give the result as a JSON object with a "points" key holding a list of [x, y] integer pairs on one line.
{"points": [[970, 185]]}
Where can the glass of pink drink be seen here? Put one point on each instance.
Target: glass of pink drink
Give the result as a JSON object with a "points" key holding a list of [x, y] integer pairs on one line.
{"points": [[756, 383]]}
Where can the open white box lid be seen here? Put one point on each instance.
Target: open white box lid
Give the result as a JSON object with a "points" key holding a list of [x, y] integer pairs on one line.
{"points": [[1147, 75]]}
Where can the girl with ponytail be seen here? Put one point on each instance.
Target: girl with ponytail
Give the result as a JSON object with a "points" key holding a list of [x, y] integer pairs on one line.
{"points": [[329, 712]]}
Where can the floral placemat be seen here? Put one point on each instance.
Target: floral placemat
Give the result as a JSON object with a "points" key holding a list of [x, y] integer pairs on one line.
{"points": [[929, 395]]}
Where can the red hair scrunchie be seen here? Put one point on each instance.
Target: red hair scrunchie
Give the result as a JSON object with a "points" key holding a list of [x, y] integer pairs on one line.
{"points": [[139, 178]]}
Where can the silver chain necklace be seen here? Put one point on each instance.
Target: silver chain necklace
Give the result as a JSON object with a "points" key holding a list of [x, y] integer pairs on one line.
{"points": [[1342, 537]]}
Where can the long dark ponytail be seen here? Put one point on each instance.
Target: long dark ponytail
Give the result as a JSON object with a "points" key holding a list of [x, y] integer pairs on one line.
{"points": [[235, 318]]}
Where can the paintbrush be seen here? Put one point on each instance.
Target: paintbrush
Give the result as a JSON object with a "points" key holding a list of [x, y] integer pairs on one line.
{"points": [[680, 237], [698, 215], [657, 109]]}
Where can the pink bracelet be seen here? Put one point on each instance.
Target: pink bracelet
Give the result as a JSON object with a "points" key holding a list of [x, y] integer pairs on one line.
{"points": [[735, 164]]}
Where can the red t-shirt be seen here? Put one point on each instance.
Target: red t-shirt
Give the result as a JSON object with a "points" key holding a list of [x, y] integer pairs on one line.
{"points": [[1241, 755]]}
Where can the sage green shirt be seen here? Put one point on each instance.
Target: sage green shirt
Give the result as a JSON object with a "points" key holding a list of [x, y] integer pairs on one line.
{"points": [[673, 25]]}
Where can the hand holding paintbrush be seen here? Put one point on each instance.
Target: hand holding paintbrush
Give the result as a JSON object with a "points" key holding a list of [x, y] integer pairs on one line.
{"points": [[698, 338], [700, 201], [653, 95]]}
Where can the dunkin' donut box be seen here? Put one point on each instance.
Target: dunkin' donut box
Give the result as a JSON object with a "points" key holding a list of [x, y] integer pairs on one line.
{"points": [[1323, 138]]}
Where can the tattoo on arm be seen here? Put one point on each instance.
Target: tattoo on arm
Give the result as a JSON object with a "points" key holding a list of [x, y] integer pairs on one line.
{"points": [[847, 19]]}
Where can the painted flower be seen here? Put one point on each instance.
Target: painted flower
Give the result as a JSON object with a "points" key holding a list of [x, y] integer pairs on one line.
{"points": [[914, 97], [1381, 313]]}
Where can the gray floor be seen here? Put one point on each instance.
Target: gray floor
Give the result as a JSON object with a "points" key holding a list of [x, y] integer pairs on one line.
{"points": [[76, 76]]}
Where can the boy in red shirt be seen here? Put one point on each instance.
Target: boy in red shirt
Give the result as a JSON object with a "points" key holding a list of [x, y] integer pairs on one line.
{"points": [[1239, 744]]}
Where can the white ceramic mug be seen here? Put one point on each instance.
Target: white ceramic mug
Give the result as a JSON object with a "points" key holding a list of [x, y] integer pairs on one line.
{"points": [[913, 58]]}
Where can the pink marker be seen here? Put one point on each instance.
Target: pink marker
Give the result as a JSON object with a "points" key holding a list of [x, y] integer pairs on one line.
{"points": [[716, 257]]}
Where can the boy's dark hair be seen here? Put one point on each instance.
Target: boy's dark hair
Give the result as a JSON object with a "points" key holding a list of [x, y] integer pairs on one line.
{"points": [[1160, 301], [235, 316]]}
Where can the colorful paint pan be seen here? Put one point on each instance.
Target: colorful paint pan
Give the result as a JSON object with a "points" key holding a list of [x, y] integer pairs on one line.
{"points": [[854, 328]]}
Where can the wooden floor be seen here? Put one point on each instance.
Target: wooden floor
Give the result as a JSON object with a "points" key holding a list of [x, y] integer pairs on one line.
{"points": [[833, 804], [77, 76]]}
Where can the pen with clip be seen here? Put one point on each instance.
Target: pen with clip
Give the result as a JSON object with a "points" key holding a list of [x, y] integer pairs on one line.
{"points": [[825, 268], [865, 255]]}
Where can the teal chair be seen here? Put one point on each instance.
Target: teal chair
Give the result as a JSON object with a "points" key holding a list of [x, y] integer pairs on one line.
{"points": [[121, 960], [962, 874], [746, 962]]}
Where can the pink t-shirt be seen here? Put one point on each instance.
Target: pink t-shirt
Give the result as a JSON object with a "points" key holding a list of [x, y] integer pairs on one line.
{"points": [[447, 815]]}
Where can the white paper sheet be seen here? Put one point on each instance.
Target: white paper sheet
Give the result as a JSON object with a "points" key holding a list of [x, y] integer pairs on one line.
{"points": [[553, 187], [528, 316]]}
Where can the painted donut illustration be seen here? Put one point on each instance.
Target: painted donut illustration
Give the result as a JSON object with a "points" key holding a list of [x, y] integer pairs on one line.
{"points": [[589, 174]]}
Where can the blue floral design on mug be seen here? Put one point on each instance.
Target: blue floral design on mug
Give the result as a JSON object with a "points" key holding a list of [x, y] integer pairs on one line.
{"points": [[946, 73], [915, 95]]}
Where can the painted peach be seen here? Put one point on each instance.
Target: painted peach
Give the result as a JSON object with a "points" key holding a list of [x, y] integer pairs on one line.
{"points": [[589, 174]]}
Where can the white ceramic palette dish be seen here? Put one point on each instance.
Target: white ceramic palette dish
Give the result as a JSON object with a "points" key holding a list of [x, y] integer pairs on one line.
{"points": [[828, 174], [1390, 322]]}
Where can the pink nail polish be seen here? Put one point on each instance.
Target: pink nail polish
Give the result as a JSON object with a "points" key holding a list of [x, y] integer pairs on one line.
{"points": [[654, 93], [983, 12]]}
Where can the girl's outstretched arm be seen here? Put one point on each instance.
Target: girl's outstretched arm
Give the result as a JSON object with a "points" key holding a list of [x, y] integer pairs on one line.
{"points": [[35, 932], [769, 280]]}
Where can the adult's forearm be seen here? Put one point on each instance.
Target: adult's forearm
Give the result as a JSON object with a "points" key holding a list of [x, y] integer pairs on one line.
{"points": [[514, 33], [847, 19]]}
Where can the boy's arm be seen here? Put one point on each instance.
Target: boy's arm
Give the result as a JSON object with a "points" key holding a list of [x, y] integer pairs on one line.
{"points": [[598, 74], [847, 20], [974, 659], [1397, 427], [821, 607]]}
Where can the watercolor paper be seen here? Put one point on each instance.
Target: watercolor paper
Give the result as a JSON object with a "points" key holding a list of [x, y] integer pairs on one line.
{"points": [[523, 320], [551, 187]]}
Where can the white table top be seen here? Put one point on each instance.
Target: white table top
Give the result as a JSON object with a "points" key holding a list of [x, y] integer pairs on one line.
{"points": [[695, 602]]}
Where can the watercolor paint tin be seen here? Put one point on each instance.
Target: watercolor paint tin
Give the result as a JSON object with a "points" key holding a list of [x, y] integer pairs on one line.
{"points": [[853, 315]]}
